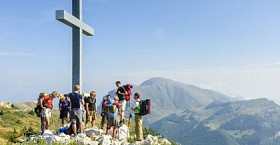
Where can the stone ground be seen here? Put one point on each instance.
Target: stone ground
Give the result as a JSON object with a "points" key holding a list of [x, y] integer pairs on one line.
{"points": [[95, 136]]}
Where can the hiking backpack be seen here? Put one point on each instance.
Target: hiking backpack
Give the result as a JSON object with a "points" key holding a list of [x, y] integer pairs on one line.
{"points": [[111, 110], [38, 107], [145, 107], [128, 88]]}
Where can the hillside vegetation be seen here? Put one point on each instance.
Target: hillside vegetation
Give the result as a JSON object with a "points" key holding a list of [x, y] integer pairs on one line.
{"points": [[16, 123]]}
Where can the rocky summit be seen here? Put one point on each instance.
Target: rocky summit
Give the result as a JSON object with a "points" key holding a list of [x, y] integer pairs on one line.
{"points": [[95, 136]]}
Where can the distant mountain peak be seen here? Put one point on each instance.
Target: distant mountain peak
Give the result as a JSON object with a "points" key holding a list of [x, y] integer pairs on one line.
{"points": [[173, 96], [156, 79], [161, 80]]}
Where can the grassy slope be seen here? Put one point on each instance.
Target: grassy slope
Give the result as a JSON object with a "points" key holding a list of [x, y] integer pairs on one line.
{"points": [[15, 122]]}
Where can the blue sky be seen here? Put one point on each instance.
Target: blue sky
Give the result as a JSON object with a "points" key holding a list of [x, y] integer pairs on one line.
{"points": [[231, 46]]}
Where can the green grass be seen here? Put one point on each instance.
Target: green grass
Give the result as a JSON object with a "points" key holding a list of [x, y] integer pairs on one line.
{"points": [[16, 124]]}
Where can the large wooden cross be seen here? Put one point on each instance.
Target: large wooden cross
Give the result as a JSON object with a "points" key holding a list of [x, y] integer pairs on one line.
{"points": [[78, 28]]}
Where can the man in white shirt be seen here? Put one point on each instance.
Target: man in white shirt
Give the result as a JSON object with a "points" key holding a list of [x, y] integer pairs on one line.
{"points": [[138, 118]]}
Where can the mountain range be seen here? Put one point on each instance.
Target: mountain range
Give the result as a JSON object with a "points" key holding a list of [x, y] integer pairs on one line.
{"points": [[194, 116], [169, 96], [184, 113]]}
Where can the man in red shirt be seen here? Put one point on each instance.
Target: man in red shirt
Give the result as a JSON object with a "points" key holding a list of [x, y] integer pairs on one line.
{"points": [[47, 105]]}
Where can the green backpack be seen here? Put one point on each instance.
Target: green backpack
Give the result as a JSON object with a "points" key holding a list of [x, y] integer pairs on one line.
{"points": [[111, 110]]}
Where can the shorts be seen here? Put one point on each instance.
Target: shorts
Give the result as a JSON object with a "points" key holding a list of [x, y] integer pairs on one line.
{"points": [[122, 105], [47, 112], [64, 113], [113, 122], [76, 115], [92, 115]]}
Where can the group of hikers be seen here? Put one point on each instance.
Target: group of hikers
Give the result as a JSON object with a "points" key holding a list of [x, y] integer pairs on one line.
{"points": [[75, 105]]}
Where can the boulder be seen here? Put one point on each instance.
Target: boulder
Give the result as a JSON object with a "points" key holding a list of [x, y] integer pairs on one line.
{"points": [[164, 141], [94, 131], [277, 134], [32, 138], [47, 133], [64, 138], [123, 133], [116, 142], [106, 139], [48, 136], [94, 143], [57, 139], [150, 140]]}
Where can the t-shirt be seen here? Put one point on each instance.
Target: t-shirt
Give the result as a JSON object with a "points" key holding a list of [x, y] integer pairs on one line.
{"points": [[63, 104], [117, 104], [91, 101], [122, 90], [75, 99], [47, 102], [136, 106]]}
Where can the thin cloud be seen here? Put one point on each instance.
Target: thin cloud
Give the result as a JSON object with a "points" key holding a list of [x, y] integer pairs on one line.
{"points": [[158, 33], [17, 54], [269, 64], [5, 54]]}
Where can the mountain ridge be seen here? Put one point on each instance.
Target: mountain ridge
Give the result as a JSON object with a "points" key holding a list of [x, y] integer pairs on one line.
{"points": [[173, 96], [250, 122]]}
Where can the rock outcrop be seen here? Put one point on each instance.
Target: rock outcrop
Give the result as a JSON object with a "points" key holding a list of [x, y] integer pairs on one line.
{"points": [[95, 136]]}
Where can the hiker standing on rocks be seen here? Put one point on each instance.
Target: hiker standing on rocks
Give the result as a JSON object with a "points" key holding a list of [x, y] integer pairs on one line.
{"points": [[113, 118], [76, 115], [47, 105], [121, 92], [103, 113], [64, 106], [138, 118], [91, 108]]}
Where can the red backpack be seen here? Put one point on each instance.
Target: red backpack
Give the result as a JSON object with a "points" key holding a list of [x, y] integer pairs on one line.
{"points": [[128, 88]]}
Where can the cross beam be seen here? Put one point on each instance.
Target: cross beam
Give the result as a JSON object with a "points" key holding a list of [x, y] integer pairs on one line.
{"points": [[78, 28], [72, 21]]}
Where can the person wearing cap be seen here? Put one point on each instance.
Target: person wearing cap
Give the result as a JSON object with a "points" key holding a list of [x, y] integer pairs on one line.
{"points": [[121, 92], [76, 100], [91, 108], [113, 122], [47, 105], [138, 118]]}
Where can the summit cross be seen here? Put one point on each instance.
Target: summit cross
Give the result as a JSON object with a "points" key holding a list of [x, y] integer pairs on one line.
{"points": [[78, 28]]}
